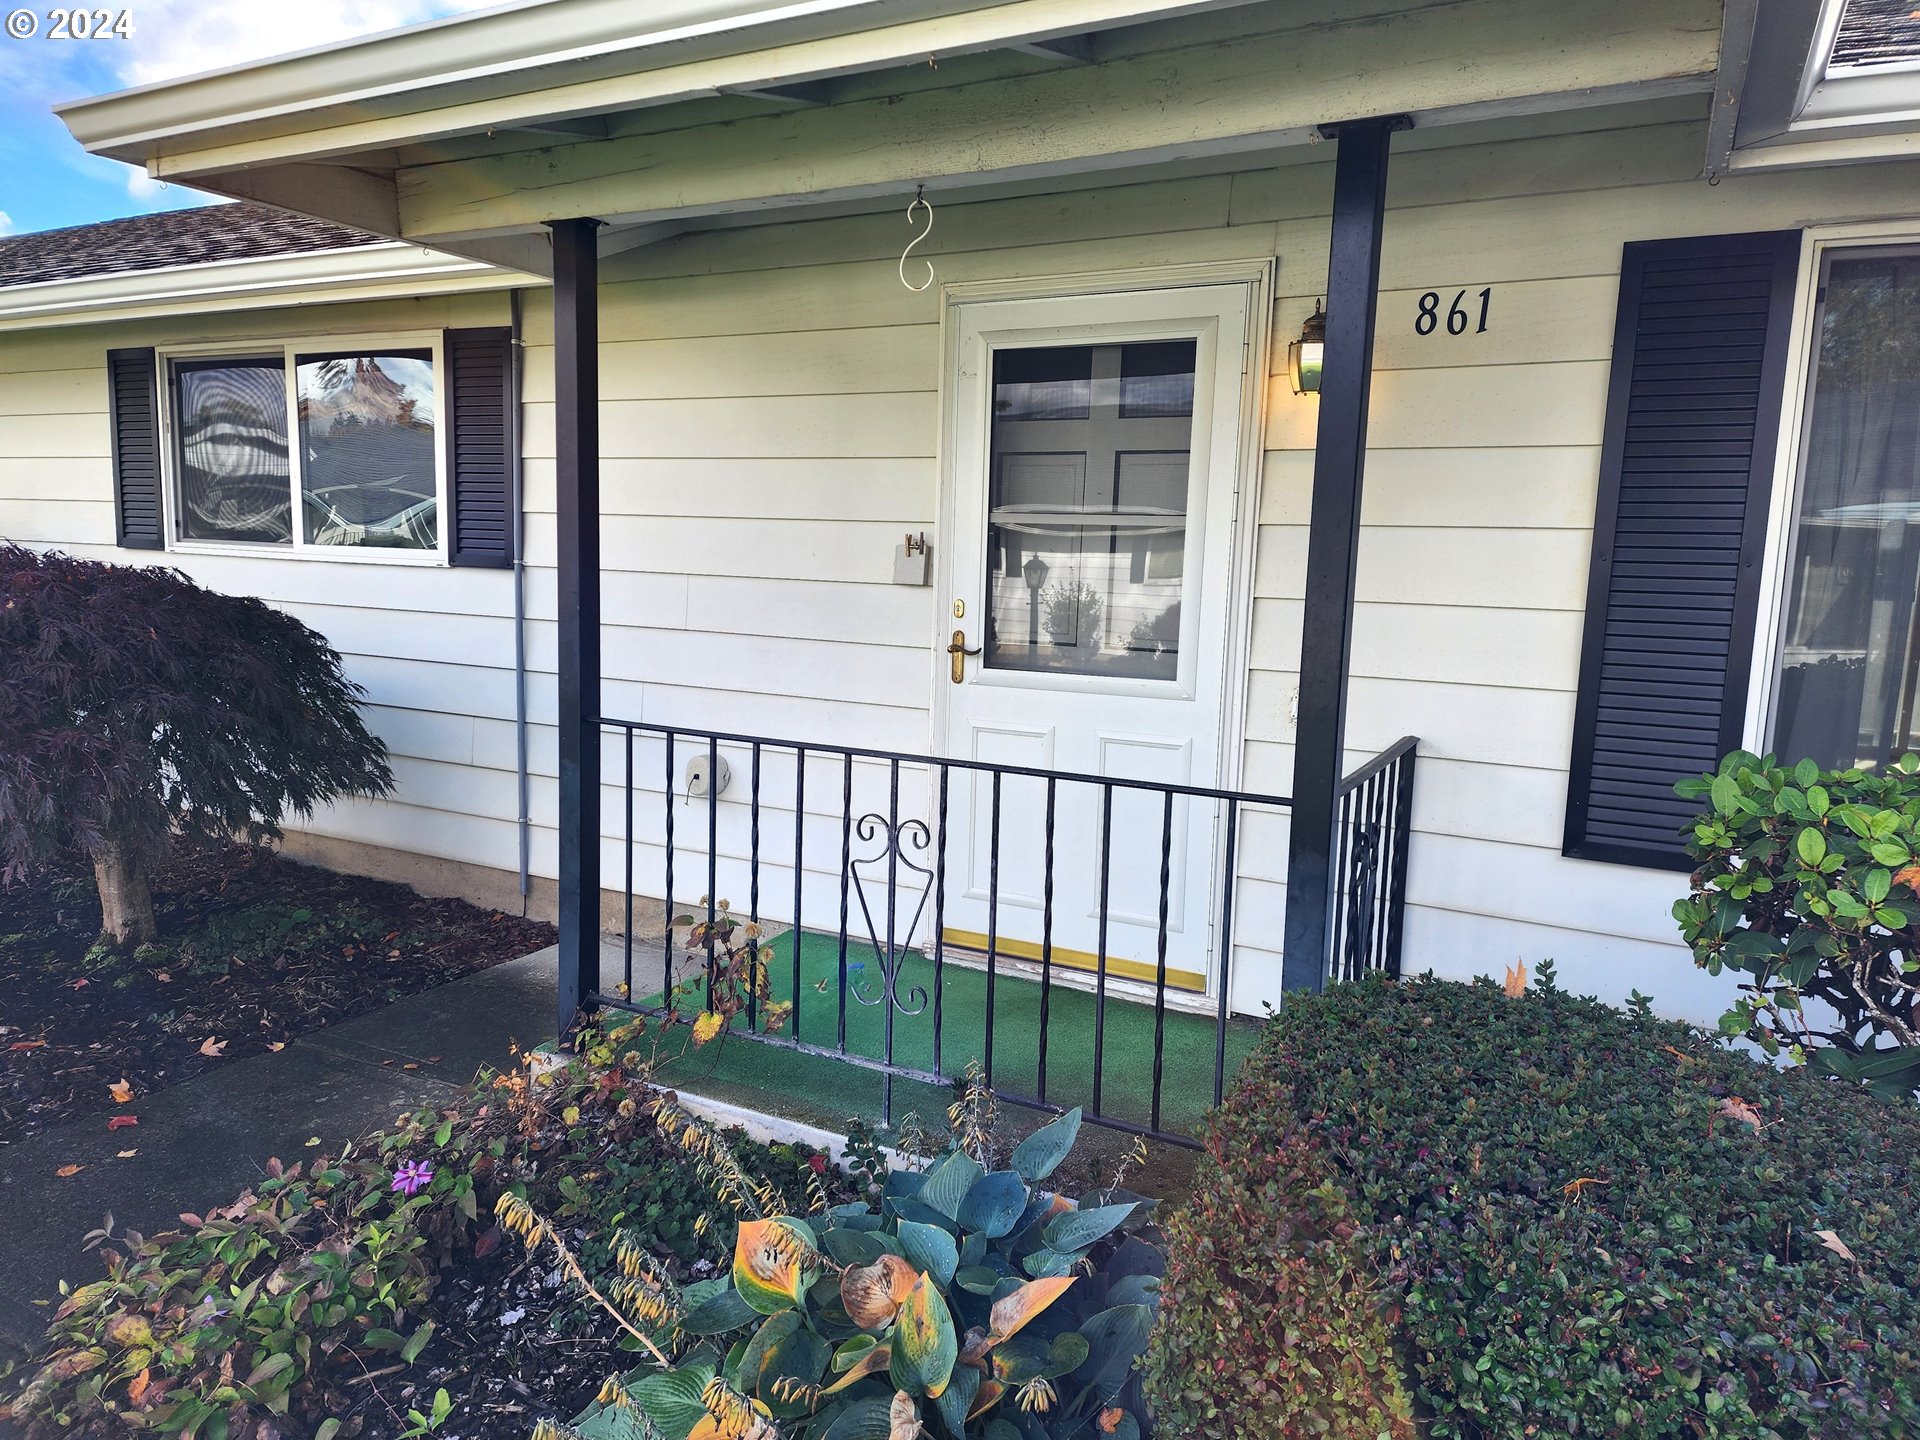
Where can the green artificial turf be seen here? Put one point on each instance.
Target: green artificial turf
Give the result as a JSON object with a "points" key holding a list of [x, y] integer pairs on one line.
{"points": [[829, 1091]]}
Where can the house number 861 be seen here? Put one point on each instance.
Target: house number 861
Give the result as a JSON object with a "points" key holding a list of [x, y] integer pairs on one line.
{"points": [[1457, 316]]}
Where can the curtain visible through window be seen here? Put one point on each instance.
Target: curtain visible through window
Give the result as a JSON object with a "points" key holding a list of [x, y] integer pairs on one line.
{"points": [[1851, 652], [231, 420]]}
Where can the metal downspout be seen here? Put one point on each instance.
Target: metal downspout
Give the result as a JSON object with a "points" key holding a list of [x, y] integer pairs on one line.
{"points": [[524, 821]]}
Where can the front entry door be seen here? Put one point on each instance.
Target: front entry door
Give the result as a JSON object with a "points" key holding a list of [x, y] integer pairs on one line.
{"points": [[1093, 486]]}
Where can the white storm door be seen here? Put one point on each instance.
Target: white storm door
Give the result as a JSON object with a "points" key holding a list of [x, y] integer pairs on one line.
{"points": [[1092, 496]]}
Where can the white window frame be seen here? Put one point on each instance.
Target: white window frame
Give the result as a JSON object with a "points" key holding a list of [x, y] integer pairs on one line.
{"points": [[1795, 414], [302, 548]]}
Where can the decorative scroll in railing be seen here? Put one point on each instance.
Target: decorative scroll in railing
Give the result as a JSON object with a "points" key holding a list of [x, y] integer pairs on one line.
{"points": [[1074, 934], [1370, 859]]}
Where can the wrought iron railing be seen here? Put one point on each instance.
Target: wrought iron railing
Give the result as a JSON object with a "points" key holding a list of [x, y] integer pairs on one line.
{"points": [[1101, 980], [1373, 841]]}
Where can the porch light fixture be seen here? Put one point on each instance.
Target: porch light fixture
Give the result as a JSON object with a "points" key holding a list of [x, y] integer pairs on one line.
{"points": [[1304, 356]]}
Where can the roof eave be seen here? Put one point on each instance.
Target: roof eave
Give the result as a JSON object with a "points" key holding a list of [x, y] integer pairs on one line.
{"points": [[359, 272]]}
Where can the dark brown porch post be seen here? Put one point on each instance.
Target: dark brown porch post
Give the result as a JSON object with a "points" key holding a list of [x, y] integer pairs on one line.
{"points": [[1333, 538], [576, 383]]}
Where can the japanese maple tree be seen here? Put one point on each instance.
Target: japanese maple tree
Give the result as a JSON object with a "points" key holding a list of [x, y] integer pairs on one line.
{"points": [[136, 706]]}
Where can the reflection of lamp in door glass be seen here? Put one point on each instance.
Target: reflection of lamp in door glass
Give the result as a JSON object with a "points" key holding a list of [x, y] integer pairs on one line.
{"points": [[1035, 571]]}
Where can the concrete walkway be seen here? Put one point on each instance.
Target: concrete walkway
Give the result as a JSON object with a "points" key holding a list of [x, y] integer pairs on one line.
{"points": [[201, 1142]]}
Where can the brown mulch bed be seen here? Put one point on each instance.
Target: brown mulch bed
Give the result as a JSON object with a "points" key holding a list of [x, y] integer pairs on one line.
{"points": [[254, 949]]}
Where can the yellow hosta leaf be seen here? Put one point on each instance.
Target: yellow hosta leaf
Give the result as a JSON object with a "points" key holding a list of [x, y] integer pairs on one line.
{"points": [[770, 1264], [875, 1360], [925, 1346], [1011, 1312]]}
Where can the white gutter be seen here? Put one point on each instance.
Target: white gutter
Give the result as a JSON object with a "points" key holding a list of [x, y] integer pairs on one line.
{"points": [[360, 272]]}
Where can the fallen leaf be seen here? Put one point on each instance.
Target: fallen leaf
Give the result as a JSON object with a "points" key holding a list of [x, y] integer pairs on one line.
{"points": [[276, 1045], [126, 1154], [1516, 985], [28, 1045], [66, 1172], [433, 1059], [1834, 1243], [121, 1092], [312, 1140], [411, 1065], [1734, 1108], [163, 977], [137, 1387], [213, 1048], [122, 1122], [79, 984]]}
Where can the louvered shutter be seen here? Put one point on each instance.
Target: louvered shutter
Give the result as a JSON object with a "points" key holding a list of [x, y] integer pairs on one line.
{"points": [[480, 445], [135, 424], [1693, 415]]}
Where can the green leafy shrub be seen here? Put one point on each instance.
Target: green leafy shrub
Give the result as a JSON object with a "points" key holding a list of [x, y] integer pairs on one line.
{"points": [[971, 1302], [1569, 1221], [265, 1312], [1807, 886], [1270, 1325]]}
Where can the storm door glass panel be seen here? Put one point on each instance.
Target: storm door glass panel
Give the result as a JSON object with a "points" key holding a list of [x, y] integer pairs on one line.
{"points": [[368, 457], [1852, 644], [1091, 463], [230, 424]]}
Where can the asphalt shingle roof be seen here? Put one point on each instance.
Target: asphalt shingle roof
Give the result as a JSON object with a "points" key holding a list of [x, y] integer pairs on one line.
{"points": [[1878, 32], [154, 242]]}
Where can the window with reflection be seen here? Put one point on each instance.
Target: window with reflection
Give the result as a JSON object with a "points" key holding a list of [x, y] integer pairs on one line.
{"points": [[1851, 645], [351, 444], [230, 425], [1090, 462], [368, 469]]}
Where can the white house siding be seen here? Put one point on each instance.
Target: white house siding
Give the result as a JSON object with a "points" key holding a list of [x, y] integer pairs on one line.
{"points": [[433, 646], [770, 428]]}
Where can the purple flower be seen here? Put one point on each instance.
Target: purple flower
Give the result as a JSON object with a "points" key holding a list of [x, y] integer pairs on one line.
{"points": [[413, 1177]]}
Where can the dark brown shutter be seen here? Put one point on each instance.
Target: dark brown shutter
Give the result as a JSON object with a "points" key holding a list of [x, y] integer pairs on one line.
{"points": [[135, 425], [1693, 416], [480, 445]]}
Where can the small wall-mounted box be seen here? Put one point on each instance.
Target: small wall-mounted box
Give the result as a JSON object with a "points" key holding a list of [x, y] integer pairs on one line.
{"points": [[910, 560]]}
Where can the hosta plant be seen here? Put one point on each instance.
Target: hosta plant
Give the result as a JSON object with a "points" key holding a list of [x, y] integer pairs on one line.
{"points": [[1809, 885], [969, 1302]]}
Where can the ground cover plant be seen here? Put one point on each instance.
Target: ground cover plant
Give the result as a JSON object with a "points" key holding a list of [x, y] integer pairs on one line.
{"points": [[369, 1294], [1808, 887], [136, 706], [255, 949], [965, 1299], [1481, 1214]]}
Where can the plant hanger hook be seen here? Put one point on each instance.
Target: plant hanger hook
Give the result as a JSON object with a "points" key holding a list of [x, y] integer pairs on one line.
{"points": [[919, 203]]}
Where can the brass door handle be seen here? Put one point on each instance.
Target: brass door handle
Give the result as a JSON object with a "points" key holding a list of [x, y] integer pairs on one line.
{"points": [[959, 651]]}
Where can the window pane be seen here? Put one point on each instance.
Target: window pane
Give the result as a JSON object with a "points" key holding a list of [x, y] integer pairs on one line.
{"points": [[367, 451], [1087, 508], [230, 418], [1851, 646]]}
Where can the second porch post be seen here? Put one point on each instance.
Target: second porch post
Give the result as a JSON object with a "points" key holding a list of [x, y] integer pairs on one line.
{"points": [[576, 385], [1333, 541]]}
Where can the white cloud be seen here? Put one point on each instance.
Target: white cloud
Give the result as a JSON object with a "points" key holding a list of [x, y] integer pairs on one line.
{"points": [[6, 223], [142, 186], [186, 37]]}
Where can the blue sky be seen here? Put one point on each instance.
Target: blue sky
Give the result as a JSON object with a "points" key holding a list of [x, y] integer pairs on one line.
{"points": [[47, 180]]}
